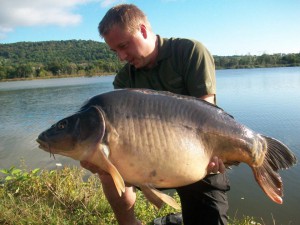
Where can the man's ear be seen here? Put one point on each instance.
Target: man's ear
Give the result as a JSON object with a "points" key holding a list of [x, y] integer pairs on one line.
{"points": [[144, 30]]}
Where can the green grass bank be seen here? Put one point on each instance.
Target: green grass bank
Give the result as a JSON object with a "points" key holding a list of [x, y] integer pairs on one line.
{"points": [[67, 196]]}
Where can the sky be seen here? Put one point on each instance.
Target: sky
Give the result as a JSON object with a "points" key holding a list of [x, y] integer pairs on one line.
{"points": [[225, 27]]}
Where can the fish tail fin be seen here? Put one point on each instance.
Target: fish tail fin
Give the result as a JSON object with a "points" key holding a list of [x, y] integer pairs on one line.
{"points": [[278, 156]]}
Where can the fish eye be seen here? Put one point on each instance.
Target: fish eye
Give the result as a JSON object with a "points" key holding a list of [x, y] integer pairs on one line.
{"points": [[62, 124]]}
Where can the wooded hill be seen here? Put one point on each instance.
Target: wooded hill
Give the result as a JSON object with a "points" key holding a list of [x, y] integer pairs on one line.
{"points": [[41, 59], [86, 58]]}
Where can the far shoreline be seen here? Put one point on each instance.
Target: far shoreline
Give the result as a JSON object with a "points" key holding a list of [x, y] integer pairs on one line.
{"points": [[55, 77], [113, 73]]}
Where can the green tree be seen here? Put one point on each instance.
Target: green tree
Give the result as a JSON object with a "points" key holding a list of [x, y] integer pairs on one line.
{"points": [[2, 72], [55, 68], [24, 71]]}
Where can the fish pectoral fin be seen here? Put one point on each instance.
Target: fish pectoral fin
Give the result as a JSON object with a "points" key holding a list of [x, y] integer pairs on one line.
{"points": [[157, 197], [108, 167]]}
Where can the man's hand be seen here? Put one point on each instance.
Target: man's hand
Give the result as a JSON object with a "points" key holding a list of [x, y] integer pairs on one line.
{"points": [[215, 165]]}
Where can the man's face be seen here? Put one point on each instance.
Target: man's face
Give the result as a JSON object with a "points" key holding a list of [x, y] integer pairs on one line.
{"points": [[133, 47]]}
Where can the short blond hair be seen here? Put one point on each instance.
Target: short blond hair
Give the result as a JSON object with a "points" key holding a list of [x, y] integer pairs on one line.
{"points": [[127, 16]]}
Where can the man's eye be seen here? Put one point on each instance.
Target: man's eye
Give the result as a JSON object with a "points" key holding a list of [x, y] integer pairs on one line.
{"points": [[123, 46]]}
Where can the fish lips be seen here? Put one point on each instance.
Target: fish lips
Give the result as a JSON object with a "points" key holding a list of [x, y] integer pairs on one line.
{"points": [[43, 145]]}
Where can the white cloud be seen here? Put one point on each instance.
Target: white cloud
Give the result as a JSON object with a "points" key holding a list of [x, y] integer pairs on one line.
{"points": [[106, 3], [22, 13]]}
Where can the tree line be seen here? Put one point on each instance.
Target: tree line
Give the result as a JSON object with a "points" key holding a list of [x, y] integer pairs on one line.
{"points": [[56, 58], [87, 58], [253, 61]]}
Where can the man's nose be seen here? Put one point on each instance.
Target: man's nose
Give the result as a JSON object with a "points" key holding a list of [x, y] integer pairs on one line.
{"points": [[122, 55]]}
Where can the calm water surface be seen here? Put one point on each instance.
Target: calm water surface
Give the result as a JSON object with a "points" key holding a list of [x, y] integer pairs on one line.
{"points": [[266, 100]]}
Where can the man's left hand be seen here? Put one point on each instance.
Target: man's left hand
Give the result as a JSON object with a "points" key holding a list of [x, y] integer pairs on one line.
{"points": [[215, 165]]}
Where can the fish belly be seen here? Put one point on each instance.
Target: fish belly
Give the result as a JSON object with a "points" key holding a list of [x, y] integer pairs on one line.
{"points": [[150, 151]]}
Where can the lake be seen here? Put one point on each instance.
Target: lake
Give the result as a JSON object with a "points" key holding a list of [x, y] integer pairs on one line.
{"points": [[266, 100]]}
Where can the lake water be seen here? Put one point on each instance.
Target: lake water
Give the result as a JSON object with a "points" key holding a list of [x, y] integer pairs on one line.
{"points": [[266, 100]]}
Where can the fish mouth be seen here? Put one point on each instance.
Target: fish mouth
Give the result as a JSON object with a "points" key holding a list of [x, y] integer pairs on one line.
{"points": [[43, 145]]}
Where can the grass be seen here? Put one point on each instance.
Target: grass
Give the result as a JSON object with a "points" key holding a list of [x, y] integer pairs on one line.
{"points": [[66, 196]]}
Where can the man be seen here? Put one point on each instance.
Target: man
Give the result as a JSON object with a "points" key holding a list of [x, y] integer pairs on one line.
{"points": [[181, 66]]}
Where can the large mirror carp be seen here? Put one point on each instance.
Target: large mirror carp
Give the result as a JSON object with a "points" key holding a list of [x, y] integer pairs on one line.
{"points": [[154, 140]]}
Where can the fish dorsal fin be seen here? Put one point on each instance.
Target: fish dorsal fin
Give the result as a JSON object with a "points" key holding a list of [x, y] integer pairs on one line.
{"points": [[178, 96], [157, 197], [102, 161]]}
